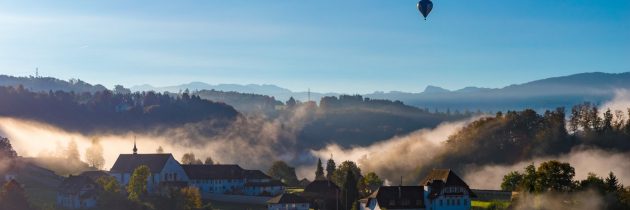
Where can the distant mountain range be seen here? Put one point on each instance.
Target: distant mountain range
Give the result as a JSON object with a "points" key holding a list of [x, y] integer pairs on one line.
{"points": [[540, 94]]}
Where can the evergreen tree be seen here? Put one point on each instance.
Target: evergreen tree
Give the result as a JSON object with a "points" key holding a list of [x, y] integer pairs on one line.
{"points": [[319, 173], [612, 183], [330, 168], [6, 150], [159, 150], [350, 192]]}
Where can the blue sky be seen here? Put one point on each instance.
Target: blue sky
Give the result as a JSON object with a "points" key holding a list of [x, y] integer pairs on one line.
{"points": [[346, 46]]}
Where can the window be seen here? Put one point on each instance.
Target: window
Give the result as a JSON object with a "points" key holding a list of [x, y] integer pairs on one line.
{"points": [[458, 202], [441, 202]]}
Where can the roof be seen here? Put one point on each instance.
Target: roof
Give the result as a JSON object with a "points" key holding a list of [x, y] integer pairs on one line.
{"points": [[214, 171], [75, 184], [222, 172], [440, 178], [271, 183], [287, 198], [321, 186], [399, 197], [94, 175], [256, 174], [127, 163]]}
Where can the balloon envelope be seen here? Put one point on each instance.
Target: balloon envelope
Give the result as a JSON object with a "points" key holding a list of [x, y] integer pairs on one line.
{"points": [[425, 7]]}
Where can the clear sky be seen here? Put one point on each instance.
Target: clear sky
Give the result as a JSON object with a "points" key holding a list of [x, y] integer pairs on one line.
{"points": [[351, 46]]}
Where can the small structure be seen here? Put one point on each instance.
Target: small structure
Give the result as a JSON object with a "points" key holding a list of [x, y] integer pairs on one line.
{"points": [[323, 195], [78, 192], [395, 197], [287, 201], [164, 168]]}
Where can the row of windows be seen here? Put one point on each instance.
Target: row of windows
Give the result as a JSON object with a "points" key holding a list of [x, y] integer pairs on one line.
{"points": [[220, 181], [454, 202]]}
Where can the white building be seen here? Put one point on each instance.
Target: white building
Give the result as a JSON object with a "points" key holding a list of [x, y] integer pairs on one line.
{"points": [[165, 170], [440, 190], [288, 202]]}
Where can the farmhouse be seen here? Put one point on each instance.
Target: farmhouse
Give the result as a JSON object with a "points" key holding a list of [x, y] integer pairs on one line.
{"points": [[442, 189], [78, 192]]}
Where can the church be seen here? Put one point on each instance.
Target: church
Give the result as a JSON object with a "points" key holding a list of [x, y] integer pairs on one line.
{"points": [[211, 180]]}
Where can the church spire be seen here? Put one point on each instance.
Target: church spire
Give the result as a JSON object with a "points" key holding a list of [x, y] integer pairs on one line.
{"points": [[135, 149]]}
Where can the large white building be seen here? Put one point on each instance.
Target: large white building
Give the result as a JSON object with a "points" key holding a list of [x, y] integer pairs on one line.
{"points": [[165, 170], [442, 189], [209, 179]]}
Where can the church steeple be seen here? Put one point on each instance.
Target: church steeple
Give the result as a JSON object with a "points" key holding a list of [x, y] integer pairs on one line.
{"points": [[135, 149]]}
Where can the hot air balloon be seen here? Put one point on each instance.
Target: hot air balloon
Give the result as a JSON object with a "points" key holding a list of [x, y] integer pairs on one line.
{"points": [[425, 7]]}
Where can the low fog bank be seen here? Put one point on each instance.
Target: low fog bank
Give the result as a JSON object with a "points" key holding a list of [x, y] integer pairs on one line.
{"points": [[398, 156], [251, 141], [584, 160], [586, 200]]}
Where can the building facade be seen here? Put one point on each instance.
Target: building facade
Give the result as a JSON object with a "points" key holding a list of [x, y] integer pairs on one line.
{"points": [[78, 192], [231, 180], [288, 202], [442, 189], [165, 170]]}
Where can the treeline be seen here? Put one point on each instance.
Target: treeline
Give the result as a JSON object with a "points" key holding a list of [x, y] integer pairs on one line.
{"points": [[521, 135], [354, 120], [243, 102], [44, 84], [106, 110]]}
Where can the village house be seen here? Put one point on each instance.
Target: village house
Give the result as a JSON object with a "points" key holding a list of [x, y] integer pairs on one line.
{"points": [[232, 180], [287, 201], [441, 189], [323, 195], [78, 192], [165, 170]]}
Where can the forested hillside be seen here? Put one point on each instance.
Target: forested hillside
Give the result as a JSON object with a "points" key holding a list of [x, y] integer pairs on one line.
{"points": [[104, 110], [45, 84], [520, 135]]}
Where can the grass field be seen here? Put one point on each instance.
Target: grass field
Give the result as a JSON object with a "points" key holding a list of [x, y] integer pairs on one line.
{"points": [[486, 204]]}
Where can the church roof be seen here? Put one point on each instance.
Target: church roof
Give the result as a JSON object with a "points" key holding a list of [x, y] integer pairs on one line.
{"points": [[127, 163]]}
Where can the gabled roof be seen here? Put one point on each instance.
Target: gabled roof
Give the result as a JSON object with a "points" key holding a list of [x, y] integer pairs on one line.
{"points": [[94, 175], [272, 183], [214, 171], [398, 197], [75, 184], [440, 178], [287, 198], [127, 163], [321, 186], [256, 174]]}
